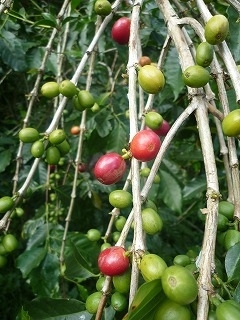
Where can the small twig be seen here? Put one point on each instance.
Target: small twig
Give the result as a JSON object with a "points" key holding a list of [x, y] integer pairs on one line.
{"points": [[138, 240], [164, 146], [105, 292], [224, 153], [33, 94], [224, 52], [215, 112], [5, 5], [208, 247], [233, 158], [235, 4], [78, 159], [75, 78]]}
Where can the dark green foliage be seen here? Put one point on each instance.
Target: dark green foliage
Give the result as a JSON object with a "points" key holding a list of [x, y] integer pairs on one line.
{"points": [[34, 284]]}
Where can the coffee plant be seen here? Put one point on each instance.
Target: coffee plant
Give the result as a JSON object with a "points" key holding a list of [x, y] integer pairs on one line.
{"points": [[120, 188]]}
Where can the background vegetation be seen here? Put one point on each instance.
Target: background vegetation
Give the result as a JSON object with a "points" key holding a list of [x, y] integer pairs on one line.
{"points": [[33, 270]]}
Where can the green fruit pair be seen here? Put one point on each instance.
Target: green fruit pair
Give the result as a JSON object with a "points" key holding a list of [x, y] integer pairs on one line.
{"points": [[59, 146], [153, 120], [181, 260], [52, 89], [83, 100]]}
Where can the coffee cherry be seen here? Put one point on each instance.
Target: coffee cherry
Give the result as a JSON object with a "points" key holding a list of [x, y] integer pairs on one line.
{"points": [[113, 261], [53, 155], [57, 136], [6, 204], [37, 149], [28, 135], [102, 8], [67, 88], [9, 242], [50, 89], [151, 79], [93, 235]]}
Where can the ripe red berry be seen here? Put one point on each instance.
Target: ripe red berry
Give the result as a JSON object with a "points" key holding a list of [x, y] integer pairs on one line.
{"points": [[113, 261], [109, 168], [121, 30], [145, 145]]}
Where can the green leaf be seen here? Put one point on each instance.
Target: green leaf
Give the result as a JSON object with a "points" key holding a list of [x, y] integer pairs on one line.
{"points": [[117, 138], [31, 226], [109, 313], [5, 159], [41, 173], [103, 124], [35, 56], [57, 309], [48, 21], [194, 188], [23, 315], [45, 23], [39, 237], [44, 280], [49, 16], [234, 27], [171, 166], [69, 18], [101, 100], [30, 259], [11, 51], [170, 191], [147, 298], [232, 262], [236, 294], [19, 15], [75, 3], [81, 258], [173, 72]]}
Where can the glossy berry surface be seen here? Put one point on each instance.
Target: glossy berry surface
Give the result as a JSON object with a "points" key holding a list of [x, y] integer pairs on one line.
{"points": [[113, 261], [121, 30], [145, 145], [109, 168]]}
